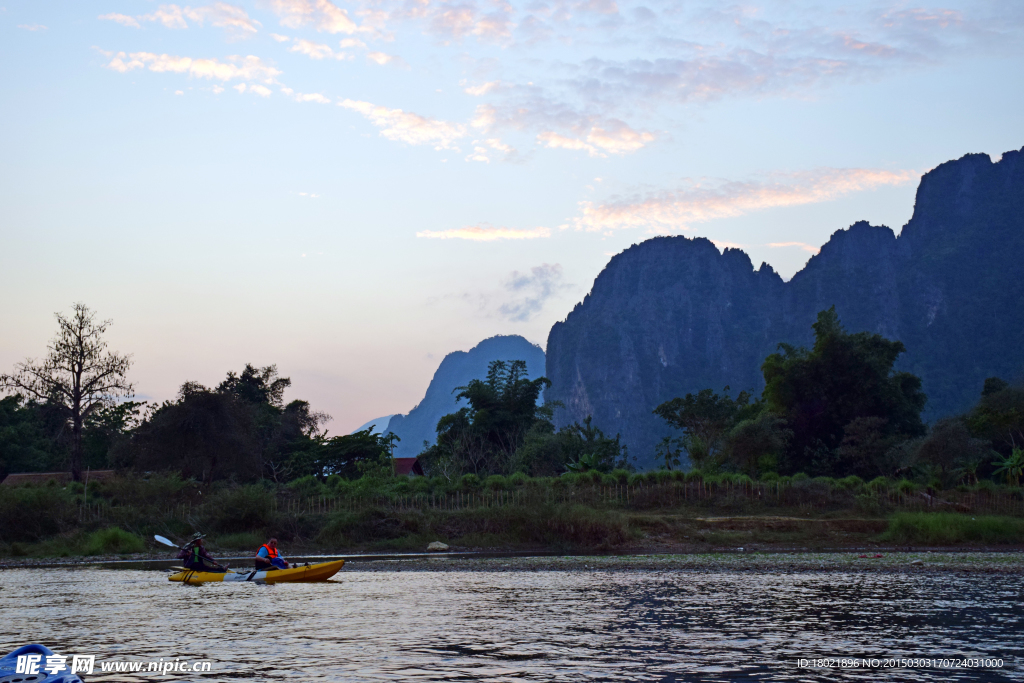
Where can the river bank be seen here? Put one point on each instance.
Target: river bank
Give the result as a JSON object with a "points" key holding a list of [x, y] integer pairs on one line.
{"points": [[740, 560]]}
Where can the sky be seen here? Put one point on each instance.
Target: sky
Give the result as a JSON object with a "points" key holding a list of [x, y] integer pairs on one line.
{"points": [[352, 190]]}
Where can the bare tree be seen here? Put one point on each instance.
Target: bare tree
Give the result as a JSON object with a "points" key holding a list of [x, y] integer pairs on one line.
{"points": [[78, 375]]}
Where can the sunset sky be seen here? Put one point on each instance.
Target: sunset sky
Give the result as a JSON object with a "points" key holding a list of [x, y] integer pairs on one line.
{"points": [[351, 190]]}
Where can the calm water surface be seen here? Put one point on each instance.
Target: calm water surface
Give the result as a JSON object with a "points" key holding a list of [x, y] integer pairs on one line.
{"points": [[524, 625]]}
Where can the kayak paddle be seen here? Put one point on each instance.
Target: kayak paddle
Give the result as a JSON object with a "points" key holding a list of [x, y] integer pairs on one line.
{"points": [[168, 542]]}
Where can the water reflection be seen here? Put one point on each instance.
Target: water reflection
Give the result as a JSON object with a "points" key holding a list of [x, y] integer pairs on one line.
{"points": [[533, 626]]}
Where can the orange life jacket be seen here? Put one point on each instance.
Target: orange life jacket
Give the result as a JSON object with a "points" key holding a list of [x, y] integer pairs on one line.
{"points": [[271, 552]]}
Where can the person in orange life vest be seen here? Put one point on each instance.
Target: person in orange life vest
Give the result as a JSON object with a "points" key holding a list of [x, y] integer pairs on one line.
{"points": [[267, 556]]}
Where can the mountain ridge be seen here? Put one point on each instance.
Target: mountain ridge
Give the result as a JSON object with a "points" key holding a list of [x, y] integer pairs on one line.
{"points": [[457, 369], [673, 315]]}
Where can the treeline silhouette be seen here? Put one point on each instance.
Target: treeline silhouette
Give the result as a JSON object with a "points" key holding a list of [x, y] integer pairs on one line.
{"points": [[837, 409]]}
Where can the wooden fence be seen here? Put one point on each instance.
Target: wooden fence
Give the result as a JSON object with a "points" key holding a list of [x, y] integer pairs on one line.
{"points": [[704, 496], [671, 495]]}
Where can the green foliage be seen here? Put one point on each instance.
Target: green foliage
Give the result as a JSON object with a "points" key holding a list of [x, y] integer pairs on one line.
{"points": [[78, 377], [242, 508], [496, 482], [105, 429], [204, 435], [305, 487], [1011, 466], [245, 541], [705, 419], [938, 528], [360, 454], [486, 436], [585, 447], [518, 479], [998, 417], [906, 487], [851, 483], [403, 513], [842, 399], [257, 387], [949, 453], [113, 540], [574, 447], [757, 444], [563, 526], [30, 436], [31, 513], [240, 431]]}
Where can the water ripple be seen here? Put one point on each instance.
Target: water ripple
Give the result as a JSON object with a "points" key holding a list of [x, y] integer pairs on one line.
{"points": [[526, 626]]}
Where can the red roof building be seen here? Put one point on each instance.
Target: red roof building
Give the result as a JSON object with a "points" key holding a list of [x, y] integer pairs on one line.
{"points": [[409, 467], [41, 478]]}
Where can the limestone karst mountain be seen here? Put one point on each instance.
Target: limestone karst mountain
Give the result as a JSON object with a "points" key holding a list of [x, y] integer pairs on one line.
{"points": [[456, 370], [674, 315]]}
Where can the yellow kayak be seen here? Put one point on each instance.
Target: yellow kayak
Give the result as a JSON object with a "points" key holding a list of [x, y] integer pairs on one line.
{"points": [[313, 572]]}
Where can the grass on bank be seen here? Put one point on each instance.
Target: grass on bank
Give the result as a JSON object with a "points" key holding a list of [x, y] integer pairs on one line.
{"points": [[946, 528], [560, 513], [107, 541]]}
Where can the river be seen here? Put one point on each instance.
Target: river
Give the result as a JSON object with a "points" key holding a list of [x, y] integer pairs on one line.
{"points": [[571, 625]]}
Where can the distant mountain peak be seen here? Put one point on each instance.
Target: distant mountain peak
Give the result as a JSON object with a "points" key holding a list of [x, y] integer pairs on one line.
{"points": [[673, 315], [457, 369]]}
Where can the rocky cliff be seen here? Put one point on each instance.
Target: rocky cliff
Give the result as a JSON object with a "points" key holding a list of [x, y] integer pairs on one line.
{"points": [[674, 315], [456, 370]]}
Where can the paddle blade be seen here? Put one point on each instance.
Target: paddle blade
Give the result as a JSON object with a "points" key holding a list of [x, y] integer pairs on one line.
{"points": [[161, 539]]}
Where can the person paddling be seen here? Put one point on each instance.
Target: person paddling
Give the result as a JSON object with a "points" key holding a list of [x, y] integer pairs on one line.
{"points": [[267, 556], [197, 558]]}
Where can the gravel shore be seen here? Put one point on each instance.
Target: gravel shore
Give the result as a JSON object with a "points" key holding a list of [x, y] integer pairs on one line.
{"points": [[874, 560], [983, 562]]}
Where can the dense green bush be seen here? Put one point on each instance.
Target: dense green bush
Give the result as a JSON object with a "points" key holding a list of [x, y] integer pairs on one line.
{"points": [[943, 528], [113, 540], [30, 513], [247, 507], [469, 482], [245, 540], [496, 482]]}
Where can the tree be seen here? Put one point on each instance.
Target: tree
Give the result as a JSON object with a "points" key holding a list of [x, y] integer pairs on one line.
{"points": [[998, 416], [202, 434], [949, 453], [484, 436], [240, 430], [705, 419], [259, 386], [1012, 466], [755, 445], [30, 436], [106, 428], [843, 377], [585, 448], [78, 376], [350, 456]]}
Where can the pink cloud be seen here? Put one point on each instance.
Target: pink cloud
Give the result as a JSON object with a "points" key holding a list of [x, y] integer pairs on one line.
{"points": [[617, 138], [122, 19], [323, 14], [408, 127], [248, 68], [802, 245], [707, 200], [219, 14], [312, 50]]}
